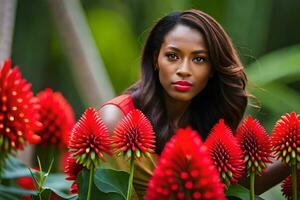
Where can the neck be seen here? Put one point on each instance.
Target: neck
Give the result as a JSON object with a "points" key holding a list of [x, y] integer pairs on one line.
{"points": [[177, 111]]}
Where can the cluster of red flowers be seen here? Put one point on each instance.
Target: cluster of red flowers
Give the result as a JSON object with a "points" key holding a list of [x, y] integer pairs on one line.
{"points": [[19, 117], [189, 169], [90, 139]]}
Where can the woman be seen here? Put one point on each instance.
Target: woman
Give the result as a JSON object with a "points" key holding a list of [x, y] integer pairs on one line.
{"points": [[190, 75]]}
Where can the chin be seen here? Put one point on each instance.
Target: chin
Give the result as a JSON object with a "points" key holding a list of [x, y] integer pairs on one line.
{"points": [[182, 97]]}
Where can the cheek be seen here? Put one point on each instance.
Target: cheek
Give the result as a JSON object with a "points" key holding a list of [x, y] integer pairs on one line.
{"points": [[165, 71], [202, 77]]}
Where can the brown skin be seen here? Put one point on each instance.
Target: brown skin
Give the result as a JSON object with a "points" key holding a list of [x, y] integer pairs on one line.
{"points": [[183, 56]]}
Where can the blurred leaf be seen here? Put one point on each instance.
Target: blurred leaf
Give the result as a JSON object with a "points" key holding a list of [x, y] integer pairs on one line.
{"points": [[13, 168], [109, 180], [236, 192], [272, 75], [282, 65], [61, 195], [279, 98], [117, 45], [239, 23], [15, 191], [32, 40], [7, 196]]}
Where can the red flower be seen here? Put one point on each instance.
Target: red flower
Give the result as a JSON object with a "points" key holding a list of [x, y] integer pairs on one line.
{"points": [[286, 138], [72, 169], [27, 183], [89, 139], [57, 117], [185, 171], [74, 188], [134, 134], [19, 111], [225, 153], [286, 186], [255, 144]]}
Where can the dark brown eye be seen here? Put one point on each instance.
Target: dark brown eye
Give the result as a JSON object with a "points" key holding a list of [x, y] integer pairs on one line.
{"points": [[199, 59], [172, 56]]}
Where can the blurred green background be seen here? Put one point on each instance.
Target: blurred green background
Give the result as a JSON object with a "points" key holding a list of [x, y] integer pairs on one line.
{"points": [[265, 33]]}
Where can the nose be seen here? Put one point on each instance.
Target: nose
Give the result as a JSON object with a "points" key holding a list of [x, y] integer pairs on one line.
{"points": [[183, 69]]}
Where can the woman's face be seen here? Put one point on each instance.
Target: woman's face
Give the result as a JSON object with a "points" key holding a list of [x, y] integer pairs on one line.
{"points": [[183, 63]]}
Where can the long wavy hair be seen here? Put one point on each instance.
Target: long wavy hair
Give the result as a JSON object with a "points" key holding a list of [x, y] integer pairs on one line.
{"points": [[224, 95]]}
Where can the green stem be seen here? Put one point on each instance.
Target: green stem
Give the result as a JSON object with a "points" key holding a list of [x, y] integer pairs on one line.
{"points": [[129, 191], [90, 183], [252, 178], [294, 181]]}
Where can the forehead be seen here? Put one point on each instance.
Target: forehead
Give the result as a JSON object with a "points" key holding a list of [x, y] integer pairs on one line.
{"points": [[182, 35]]}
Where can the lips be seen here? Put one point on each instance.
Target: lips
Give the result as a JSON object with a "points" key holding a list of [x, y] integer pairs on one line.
{"points": [[182, 86]]}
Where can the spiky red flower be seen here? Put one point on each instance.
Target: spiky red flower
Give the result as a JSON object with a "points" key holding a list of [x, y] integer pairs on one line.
{"points": [[286, 186], [89, 140], [255, 144], [72, 169], [225, 153], [185, 171], [134, 134], [57, 117], [286, 138], [19, 111]]}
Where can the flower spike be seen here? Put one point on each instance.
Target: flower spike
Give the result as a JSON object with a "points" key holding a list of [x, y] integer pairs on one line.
{"points": [[89, 140], [185, 171], [255, 144], [57, 117], [134, 135], [226, 153], [19, 117]]}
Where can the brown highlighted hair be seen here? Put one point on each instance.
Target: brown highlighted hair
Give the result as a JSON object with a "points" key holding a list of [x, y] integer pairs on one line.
{"points": [[224, 95]]}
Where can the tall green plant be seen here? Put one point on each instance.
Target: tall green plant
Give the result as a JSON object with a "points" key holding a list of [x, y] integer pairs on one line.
{"points": [[273, 80]]}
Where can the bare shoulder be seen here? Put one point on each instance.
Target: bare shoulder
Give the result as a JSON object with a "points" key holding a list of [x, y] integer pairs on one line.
{"points": [[111, 115]]}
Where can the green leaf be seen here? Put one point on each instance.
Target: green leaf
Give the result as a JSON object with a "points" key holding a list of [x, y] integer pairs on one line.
{"points": [[15, 191], [57, 181], [236, 191], [277, 65], [109, 180], [82, 181], [13, 168], [7, 196], [53, 192]]}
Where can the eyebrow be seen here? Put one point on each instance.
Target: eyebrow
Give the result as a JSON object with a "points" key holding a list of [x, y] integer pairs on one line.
{"points": [[194, 52]]}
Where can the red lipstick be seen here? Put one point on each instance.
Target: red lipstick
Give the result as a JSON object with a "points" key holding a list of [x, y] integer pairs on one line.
{"points": [[182, 86]]}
